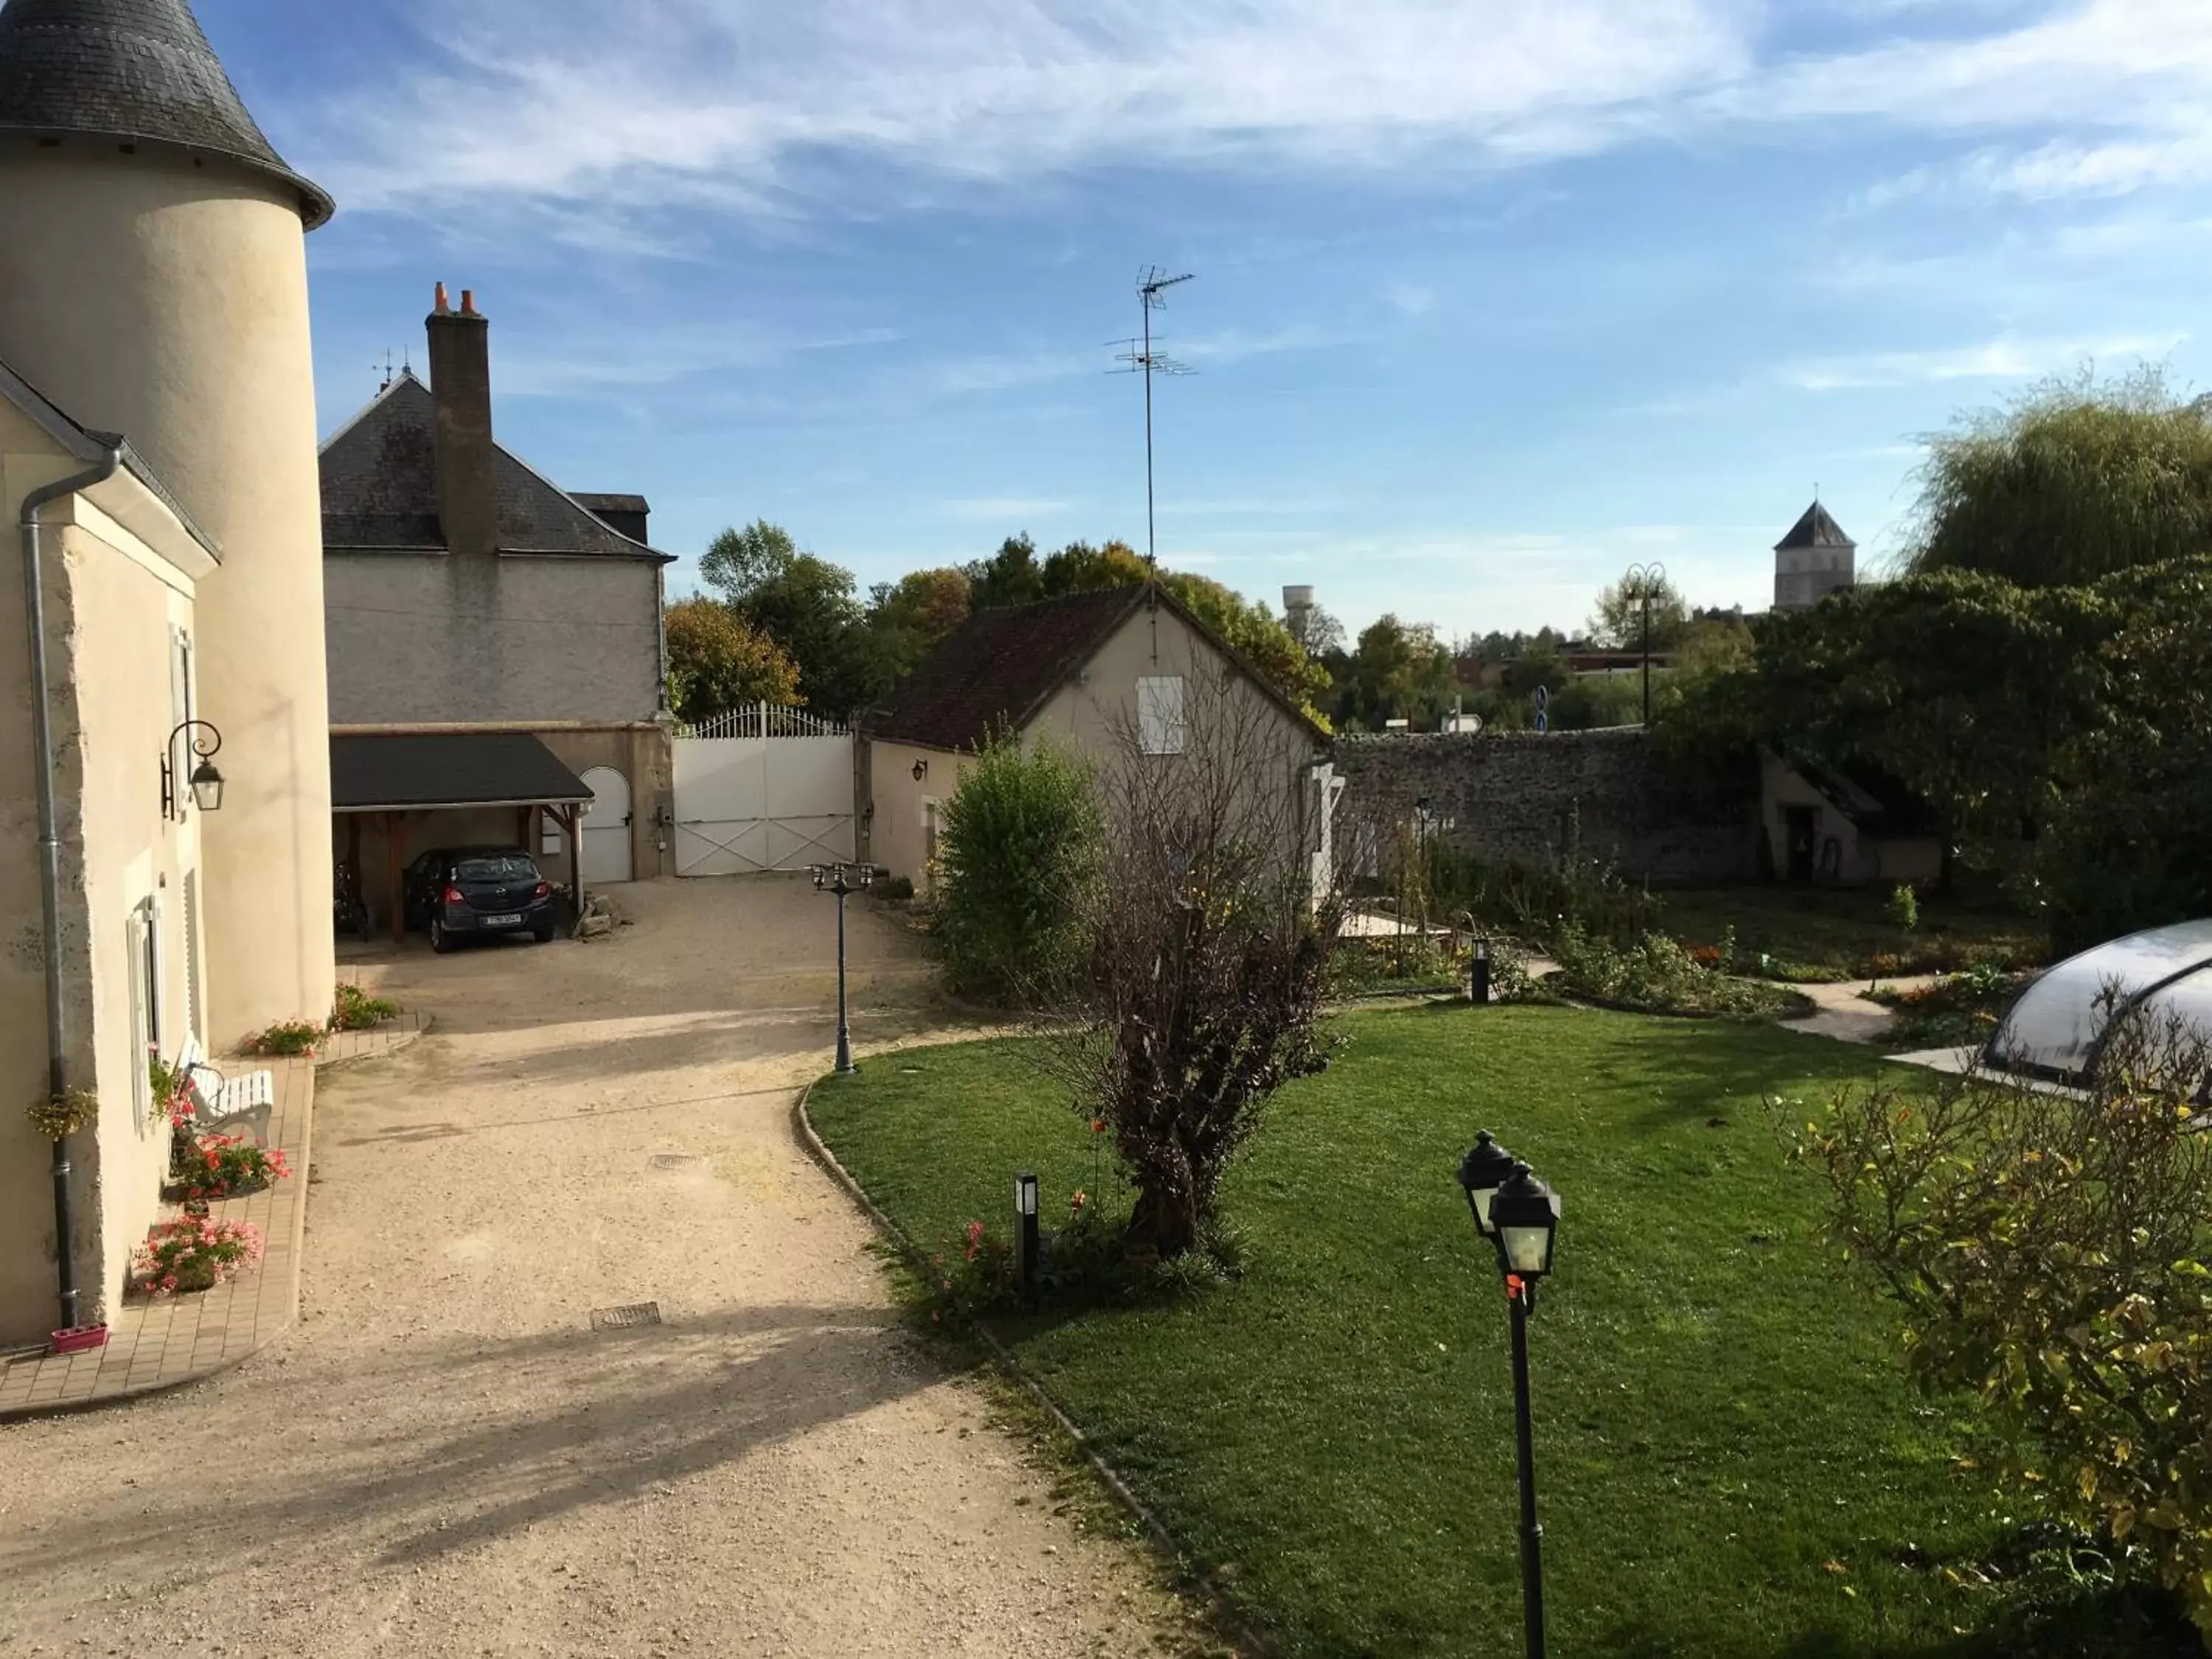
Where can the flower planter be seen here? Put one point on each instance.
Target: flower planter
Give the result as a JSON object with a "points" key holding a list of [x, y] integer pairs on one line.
{"points": [[81, 1339]]}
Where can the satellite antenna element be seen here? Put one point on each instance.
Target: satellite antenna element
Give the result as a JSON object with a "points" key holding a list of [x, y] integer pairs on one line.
{"points": [[385, 368], [1143, 356]]}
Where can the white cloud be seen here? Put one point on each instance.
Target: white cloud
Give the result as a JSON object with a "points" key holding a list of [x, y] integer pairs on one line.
{"points": [[763, 107], [1993, 359]]}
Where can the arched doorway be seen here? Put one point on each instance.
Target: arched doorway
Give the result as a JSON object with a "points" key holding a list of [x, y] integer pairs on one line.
{"points": [[605, 827]]}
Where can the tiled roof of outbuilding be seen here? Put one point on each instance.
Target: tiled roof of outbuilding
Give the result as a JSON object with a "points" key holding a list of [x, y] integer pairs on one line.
{"points": [[380, 490], [138, 71], [997, 669]]}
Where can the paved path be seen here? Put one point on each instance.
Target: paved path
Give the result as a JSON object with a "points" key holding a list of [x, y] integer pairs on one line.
{"points": [[1843, 1013], [446, 1457]]}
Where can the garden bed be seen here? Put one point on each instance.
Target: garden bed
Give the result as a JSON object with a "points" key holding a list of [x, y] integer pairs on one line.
{"points": [[1732, 1463], [1957, 1013]]}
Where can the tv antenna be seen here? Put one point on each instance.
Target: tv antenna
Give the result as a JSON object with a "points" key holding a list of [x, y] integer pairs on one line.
{"points": [[1145, 357]]}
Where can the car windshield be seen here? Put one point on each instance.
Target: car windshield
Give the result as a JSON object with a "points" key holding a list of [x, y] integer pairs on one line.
{"points": [[495, 867]]}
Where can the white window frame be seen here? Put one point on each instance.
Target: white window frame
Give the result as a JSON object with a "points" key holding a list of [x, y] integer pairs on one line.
{"points": [[1163, 714]]}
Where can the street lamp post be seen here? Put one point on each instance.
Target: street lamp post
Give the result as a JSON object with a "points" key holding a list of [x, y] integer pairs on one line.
{"points": [[1520, 1216], [1643, 579], [841, 879]]}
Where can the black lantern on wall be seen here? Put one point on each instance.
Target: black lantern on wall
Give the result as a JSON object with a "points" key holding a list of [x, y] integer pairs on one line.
{"points": [[205, 781]]}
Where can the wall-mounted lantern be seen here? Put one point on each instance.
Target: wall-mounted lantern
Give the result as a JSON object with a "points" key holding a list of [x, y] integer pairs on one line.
{"points": [[921, 770], [205, 782]]}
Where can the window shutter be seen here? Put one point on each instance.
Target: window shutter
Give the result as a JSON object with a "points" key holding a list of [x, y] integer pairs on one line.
{"points": [[192, 952], [1162, 728]]}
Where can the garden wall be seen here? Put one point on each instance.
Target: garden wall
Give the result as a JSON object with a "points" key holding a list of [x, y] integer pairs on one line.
{"points": [[1526, 797]]}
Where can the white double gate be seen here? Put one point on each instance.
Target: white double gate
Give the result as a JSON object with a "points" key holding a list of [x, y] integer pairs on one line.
{"points": [[761, 789]]}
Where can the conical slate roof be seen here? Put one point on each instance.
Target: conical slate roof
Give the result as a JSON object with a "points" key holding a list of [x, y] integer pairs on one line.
{"points": [[138, 71], [1815, 529]]}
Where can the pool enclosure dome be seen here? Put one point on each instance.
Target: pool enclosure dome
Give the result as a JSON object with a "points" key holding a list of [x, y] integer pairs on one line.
{"points": [[2053, 1030]]}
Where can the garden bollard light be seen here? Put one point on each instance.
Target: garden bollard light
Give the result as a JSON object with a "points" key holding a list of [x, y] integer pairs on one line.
{"points": [[1025, 1234], [1477, 982]]}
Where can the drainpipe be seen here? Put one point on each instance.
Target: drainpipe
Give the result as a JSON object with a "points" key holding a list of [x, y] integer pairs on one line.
{"points": [[50, 852]]}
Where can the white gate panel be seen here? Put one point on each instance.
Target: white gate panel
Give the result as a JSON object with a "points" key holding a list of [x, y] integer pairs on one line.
{"points": [[748, 804]]}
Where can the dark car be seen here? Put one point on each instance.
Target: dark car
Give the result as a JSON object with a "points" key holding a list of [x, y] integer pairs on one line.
{"points": [[474, 893]]}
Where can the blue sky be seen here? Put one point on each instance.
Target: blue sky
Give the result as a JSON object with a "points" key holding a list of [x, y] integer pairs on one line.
{"points": [[1493, 297]]}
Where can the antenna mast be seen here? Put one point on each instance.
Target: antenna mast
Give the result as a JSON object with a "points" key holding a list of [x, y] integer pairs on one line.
{"points": [[1143, 357]]}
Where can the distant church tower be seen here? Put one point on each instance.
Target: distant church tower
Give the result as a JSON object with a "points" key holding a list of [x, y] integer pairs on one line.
{"points": [[154, 283], [1812, 560]]}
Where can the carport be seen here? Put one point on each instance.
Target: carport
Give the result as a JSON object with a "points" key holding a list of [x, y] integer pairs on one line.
{"points": [[399, 779]]}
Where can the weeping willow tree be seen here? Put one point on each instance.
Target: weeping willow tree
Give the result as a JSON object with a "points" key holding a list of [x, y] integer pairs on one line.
{"points": [[2077, 479]]}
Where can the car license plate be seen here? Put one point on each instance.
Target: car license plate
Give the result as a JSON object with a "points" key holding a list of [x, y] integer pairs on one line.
{"points": [[500, 921]]}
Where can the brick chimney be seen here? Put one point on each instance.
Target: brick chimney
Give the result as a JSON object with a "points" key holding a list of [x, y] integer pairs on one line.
{"points": [[460, 384]]}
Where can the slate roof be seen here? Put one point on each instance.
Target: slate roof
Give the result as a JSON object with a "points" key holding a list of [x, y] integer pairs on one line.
{"points": [[999, 669], [138, 71], [380, 490], [447, 769], [90, 447], [1815, 529]]}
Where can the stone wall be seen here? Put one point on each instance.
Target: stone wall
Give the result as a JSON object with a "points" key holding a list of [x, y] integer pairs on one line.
{"points": [[1524, 797]]}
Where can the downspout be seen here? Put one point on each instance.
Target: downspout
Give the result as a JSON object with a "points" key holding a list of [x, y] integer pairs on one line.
{"points": [[50, 853]]}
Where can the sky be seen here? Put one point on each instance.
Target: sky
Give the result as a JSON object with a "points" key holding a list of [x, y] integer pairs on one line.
{"points": [[1490, 298]]}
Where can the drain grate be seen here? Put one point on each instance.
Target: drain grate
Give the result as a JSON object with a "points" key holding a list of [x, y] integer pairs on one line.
{"points": [[622, 1319]]}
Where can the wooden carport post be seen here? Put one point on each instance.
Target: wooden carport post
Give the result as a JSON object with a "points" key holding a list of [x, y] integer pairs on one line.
{"points": [[571, 820], [393, 894]]}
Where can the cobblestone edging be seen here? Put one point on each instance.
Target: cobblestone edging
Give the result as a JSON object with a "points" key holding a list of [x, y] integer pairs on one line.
{"points": [[1155, 1528]]}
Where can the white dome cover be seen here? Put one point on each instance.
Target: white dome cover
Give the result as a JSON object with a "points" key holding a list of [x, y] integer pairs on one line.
{"points": [[2052, 1030]]}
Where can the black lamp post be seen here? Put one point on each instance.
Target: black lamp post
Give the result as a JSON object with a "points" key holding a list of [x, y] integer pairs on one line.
{"points": [[1520, 1216], [841, 879], [1643, 579], [205, 782], [1477, 975]]}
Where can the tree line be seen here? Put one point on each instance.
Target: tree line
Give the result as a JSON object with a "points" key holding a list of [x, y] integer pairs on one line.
{"points": [[789, 627]]}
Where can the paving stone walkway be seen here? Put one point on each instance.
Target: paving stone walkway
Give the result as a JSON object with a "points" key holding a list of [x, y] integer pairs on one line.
{"points": [[158, 1343]]}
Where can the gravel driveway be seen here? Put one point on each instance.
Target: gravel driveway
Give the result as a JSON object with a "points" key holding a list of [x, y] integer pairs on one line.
{"points": [[445, 1458]]}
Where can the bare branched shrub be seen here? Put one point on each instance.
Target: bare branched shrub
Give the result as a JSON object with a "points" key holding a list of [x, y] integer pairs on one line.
{"points": [[1203, 957], [2049, 1250]]}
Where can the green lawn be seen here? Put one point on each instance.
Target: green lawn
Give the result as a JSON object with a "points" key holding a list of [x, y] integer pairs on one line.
{"points": [[1730, 1463]]}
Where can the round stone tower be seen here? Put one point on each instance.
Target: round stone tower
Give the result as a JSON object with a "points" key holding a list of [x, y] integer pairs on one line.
{"points": [[154, 283]]}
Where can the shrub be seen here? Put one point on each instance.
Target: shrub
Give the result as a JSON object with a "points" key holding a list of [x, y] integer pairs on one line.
{"points": [[219, 1165], [899, 890], [57, 1117], [1203, 961], [195, 1253], [1657, 976], [1535, 903], [1952, 1013], [1020, 843], [290, 1037], [2047, 1252], [357, 1011]]}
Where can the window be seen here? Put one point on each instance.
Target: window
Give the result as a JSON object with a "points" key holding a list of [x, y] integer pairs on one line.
{"points": [[145, 934], [1162, 726], [180, 709]]}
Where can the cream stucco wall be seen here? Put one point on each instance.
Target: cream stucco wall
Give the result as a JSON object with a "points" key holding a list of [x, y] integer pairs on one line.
{"points": [[112, 603], [896, 835], [1861, 859], [168, 301], [1086, 716]]}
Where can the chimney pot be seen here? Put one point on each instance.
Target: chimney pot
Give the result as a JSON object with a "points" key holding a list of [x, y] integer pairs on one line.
{"points": [[468, 302], [442, 305]]}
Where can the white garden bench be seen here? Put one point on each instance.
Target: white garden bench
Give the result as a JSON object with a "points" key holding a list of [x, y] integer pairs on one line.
{"points": [[219, 1103]]}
